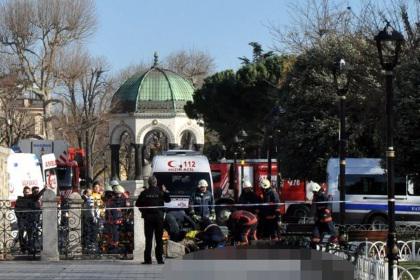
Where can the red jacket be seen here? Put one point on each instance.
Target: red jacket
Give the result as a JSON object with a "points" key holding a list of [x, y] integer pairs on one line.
{"points": [[244, 218]]}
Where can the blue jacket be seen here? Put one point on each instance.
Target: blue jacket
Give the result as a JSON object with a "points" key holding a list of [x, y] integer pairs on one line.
{"points": [[201, 204]]}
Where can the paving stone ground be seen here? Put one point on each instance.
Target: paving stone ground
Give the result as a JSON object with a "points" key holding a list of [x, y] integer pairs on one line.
{"points": [[78, 270]]}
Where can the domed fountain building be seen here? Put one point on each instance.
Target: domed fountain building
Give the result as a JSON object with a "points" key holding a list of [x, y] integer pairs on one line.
{"points": [[148, 117]]}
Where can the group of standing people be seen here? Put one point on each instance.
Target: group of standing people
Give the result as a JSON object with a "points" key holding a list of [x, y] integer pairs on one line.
{"points": [[107, 212], [257, 216], [28, 215], [256, 213]]}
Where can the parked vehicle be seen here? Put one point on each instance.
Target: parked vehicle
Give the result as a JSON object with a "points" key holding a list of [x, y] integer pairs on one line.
{"points": [[70, 161], [294, 195], [180, 171], [28, 170], [253, 170], [366, 200]]}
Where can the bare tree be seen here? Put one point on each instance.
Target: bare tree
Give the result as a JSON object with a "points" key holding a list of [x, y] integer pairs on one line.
{"points": [[15, 123], [314, 22], [193, 64], [35, 31], [87, 94]]}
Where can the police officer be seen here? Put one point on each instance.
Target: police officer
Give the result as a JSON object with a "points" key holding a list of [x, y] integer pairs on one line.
{"points": [[323, 219], [201, 203], [153, 218]]}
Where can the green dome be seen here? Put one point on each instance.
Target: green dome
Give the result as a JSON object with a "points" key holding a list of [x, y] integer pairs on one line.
{"points": [[154, 91]]}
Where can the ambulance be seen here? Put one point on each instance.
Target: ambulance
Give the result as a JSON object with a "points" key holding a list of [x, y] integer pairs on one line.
{"points": [[180, 171], [24, 169]]}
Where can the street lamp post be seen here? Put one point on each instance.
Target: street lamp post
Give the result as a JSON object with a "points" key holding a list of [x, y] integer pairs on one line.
{"points": [[271, 120], [237, 141], [389, 42], [341, 83], [269, 156]]}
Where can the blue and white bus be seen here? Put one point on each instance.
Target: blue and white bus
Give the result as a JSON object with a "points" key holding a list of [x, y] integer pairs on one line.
{"points": [[366, 199]]}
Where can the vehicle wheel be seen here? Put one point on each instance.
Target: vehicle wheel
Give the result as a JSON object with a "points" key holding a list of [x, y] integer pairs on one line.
{"points": [[378, 222], [301, 213]]}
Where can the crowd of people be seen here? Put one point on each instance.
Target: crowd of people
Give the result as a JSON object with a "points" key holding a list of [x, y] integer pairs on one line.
{"points": [[255, 217], [106, 212]]}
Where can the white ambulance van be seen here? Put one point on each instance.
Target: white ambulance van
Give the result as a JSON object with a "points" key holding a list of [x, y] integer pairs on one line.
{"points": [[180, 171], [366, 197], [25, 169]]}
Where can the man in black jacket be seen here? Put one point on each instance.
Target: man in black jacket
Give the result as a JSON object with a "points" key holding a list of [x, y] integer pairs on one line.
{"points": [[248, 196], [154, 198], [269, 215]]}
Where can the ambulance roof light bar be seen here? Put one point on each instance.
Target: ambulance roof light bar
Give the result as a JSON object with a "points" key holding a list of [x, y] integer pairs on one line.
{"points": [[181, 153]]}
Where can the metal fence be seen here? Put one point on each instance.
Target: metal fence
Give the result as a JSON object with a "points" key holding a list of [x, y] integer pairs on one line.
{"points": [[20, 232], [95, 232]]}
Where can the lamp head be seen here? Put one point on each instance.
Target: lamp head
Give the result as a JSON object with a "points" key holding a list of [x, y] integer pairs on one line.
{"points": [[389, 42]]}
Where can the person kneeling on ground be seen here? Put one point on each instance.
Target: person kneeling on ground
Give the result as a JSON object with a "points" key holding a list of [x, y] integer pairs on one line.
{"points": [[211, 235], [243, 226], [174, 224]]}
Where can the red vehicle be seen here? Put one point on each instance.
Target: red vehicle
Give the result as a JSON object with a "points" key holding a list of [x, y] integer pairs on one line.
{"points": [[228, 178], [70, 168], [293, 193]]}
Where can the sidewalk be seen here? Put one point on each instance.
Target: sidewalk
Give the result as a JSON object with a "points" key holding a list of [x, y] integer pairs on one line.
{"points": [[78, 270]]}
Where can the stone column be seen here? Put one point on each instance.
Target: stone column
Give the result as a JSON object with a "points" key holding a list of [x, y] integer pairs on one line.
{"points": [[139, 239], [138, 160], [75, 224], [49, 227], [115, 161]]}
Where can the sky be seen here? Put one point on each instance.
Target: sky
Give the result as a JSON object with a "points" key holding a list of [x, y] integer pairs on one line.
{"points": [[130, 31]]}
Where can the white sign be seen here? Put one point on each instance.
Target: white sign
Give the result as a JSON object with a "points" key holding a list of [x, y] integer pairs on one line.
{"points": [[48, 162]]}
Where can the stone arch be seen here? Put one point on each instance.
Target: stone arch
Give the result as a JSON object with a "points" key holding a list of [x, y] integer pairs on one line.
{"points": [[193, 130], [117, 132], [187, 139], [146, 129]]}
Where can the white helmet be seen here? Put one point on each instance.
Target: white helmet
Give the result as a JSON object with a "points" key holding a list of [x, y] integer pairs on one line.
{"points": [[203, 183], [247, 184], [114, 183], [265, 184], [314, 187], [119, 189], [224, 216], [108, 188]]}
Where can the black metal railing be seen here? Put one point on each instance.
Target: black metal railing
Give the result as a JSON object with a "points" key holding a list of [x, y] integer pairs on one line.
{"points": [[20, 231]]}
